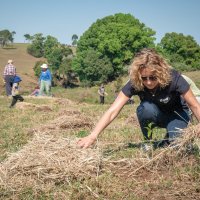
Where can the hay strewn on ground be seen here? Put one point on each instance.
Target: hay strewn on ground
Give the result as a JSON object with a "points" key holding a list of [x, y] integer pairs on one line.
{"points": [[70, 119], [64, 102], [155, 171], [67, 119], [50, 159], [25, 105], [161, 157], [47, 160]]}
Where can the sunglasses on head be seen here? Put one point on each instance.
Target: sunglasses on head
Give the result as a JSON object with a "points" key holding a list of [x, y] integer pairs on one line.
{"points": [[149, 78]]}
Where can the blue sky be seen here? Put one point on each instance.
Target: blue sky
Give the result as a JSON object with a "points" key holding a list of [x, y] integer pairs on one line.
{"points": [[63, 18]]}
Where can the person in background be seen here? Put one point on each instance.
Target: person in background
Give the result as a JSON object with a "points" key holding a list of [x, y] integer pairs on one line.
{"points": [[102, 93], [15, 91], [164, 99], [193, 87], [36, 91], [8, 76], [45, 80]]}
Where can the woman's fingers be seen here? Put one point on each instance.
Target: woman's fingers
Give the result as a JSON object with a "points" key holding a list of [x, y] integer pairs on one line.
{"points": [[85, 142]]}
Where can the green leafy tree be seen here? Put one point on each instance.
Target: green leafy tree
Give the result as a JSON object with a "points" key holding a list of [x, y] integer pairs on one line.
{"points": [[6, 37], [65, 74], [13, 33], [183, 51], [114, 39], [57, 56], [37, 68], [50, 43], [74, 39], [28, 37], [95, 68], [55, 52], [36, 48]]}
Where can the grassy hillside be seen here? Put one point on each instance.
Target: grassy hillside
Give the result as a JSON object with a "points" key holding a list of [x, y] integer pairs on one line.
{"points": [[23, 62]]}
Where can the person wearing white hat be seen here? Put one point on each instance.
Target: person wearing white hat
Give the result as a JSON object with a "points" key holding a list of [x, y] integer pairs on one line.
{"points": [[8, 76], [45, 80]]}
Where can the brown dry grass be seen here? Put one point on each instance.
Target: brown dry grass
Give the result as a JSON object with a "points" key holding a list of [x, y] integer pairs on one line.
{"points": [[49, 158], [45, 161], [23, 62], [169, 174], [67, 120]]}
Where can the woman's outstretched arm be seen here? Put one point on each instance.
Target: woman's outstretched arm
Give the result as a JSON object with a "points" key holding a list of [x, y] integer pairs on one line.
{"points": [[105, 120]]}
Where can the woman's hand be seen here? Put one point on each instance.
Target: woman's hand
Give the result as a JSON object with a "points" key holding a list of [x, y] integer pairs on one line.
{"points": [[86, 141]]}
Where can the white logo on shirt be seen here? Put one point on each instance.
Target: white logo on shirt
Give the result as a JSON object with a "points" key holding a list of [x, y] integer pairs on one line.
{"points": [[166, 100]]}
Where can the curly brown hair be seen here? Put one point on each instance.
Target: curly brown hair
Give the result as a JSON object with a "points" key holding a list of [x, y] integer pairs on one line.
{"points": [[151, 59]]}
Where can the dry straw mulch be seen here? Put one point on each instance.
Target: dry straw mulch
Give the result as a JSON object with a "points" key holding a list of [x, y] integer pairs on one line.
{"points": [[156, 173], [66, 120], [63, 102], [163, 157], [43, 107], [26, 105], [48, 160]]}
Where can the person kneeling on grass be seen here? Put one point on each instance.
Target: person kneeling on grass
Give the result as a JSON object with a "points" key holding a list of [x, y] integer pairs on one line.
{"points": [[35, 91], [15, 91], [164, 94]]}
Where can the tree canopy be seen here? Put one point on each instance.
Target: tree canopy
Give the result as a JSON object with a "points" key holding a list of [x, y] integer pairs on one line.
{"points": [[182, 51], [36, 48], [58, 57], [111, 41], [74, 39], [6, 36], [28, 37], [105, 50]]}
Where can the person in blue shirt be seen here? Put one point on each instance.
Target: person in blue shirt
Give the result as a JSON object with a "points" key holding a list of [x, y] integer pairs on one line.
{"points": [[45, 81]]}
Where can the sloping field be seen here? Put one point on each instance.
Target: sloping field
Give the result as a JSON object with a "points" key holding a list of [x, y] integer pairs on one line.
{"points": [[23, 62]]}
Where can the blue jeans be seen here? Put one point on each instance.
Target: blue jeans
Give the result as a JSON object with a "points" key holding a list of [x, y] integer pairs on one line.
{"points": [[8, 80], [150, 113]]}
